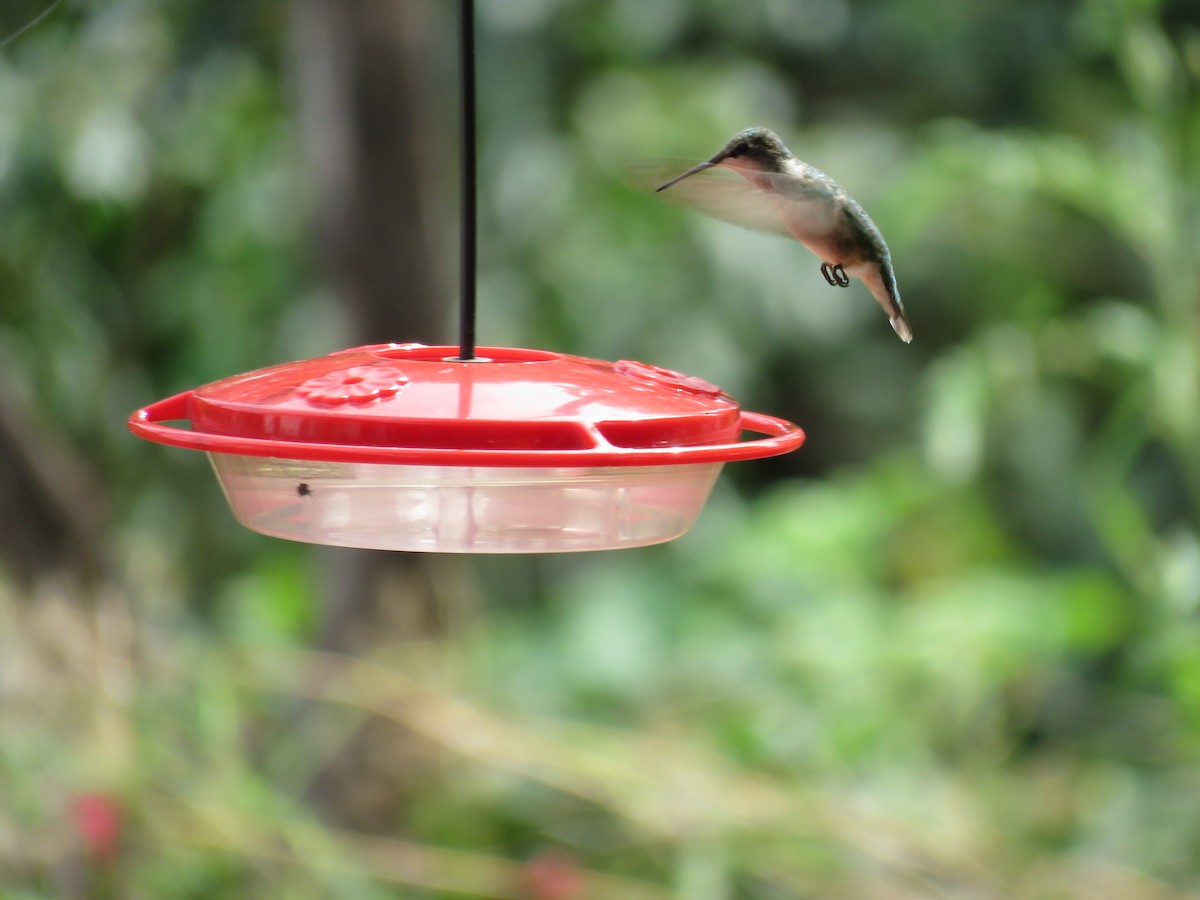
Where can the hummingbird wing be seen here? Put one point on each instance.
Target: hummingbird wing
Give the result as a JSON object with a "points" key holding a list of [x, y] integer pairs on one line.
{"points": [[717, 192]]}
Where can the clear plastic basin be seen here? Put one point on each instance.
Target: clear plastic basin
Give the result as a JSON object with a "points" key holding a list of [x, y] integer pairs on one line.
{"points": [[461, 509]]}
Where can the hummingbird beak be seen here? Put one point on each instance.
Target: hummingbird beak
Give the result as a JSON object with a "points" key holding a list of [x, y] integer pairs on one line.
{"points": [[715, 161]]}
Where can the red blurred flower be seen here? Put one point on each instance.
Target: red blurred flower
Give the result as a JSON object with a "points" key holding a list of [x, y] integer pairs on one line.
{"points": [[98, 818], [553, 875]]}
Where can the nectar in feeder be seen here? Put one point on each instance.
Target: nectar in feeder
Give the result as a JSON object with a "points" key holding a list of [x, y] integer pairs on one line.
{"points": [[406, 447]]}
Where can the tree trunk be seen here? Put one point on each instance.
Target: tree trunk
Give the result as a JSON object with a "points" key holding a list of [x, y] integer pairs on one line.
{"points": [[377, 121]]}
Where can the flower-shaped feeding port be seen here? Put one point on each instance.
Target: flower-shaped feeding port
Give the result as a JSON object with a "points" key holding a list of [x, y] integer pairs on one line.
{"points": [[358, 384], [407, 447]]}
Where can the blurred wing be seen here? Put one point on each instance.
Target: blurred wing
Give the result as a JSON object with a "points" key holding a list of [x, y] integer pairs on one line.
{"points": [[717, 192]]}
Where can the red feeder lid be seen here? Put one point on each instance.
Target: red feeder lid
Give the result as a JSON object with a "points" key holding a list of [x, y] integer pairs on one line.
{"points": [[412, 404]]}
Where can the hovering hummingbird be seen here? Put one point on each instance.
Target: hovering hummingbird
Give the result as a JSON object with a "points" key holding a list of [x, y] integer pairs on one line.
{"points": [[785, 195]]}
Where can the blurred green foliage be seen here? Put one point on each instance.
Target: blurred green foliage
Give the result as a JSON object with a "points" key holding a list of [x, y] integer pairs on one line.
{"points": [[950, 648]]}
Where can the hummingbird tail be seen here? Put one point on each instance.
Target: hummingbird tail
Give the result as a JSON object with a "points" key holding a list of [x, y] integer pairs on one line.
{"points": [[882, 282]]}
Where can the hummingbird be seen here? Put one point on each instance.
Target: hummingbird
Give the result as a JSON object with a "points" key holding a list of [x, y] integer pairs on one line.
{"points": [[782, 194]]}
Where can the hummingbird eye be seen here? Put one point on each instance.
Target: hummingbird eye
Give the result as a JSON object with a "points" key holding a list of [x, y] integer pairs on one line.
{"points": [[740, 149]]}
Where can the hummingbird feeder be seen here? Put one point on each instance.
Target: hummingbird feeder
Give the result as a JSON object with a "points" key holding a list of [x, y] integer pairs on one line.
{"points": [[450, 449]]}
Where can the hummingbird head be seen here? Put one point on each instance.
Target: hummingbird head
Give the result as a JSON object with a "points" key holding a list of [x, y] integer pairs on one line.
{"points": [[752, 150], [756, 149]]}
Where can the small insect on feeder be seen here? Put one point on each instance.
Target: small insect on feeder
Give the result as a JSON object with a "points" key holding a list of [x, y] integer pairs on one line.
{"points": [[446, 449]]}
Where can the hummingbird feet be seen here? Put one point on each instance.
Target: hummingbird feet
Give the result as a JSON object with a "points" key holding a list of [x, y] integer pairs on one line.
{"points": [[835, 275]]}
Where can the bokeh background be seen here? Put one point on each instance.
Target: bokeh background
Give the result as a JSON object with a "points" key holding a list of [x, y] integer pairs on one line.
{"points": [[951, 648]]}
